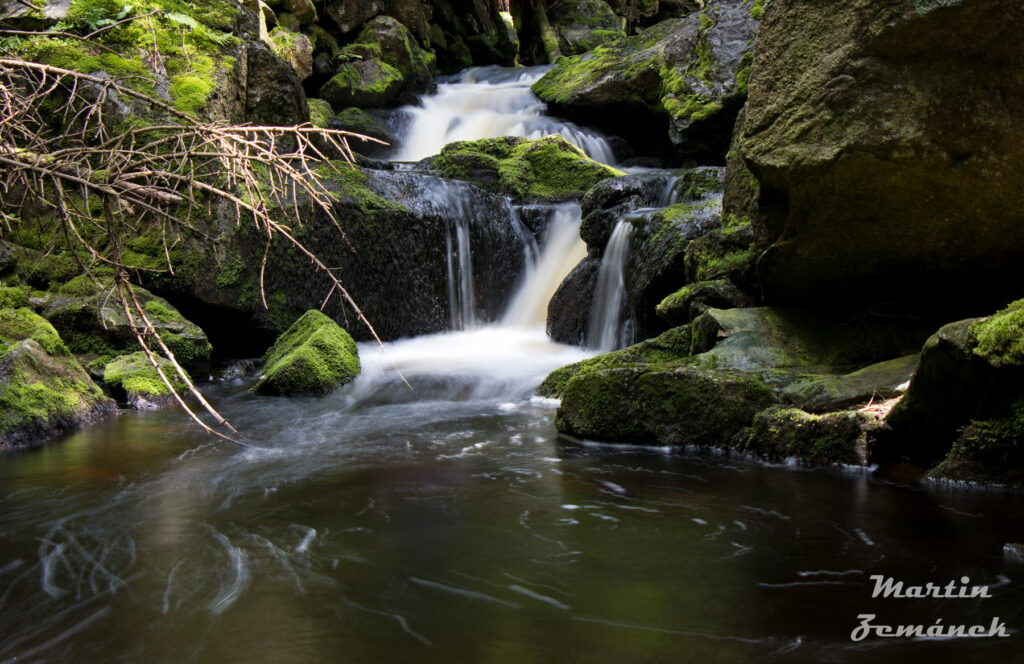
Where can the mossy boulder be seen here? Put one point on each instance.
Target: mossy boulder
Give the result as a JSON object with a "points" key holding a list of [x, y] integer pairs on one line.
{"points": [[964, 397], [581, 25], [834, 438], [312, 357], [384, 61], [365, 83], [44, 391], [134, 381], [894, 162], [676, 406], [988, 451], [682, 306], [93, 323], [685, 78], [548, 168]]}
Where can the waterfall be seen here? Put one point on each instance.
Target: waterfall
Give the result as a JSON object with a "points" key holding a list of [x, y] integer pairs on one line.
{"points": [[606, 330], [489, 102], [461, 295], [561, 249]]}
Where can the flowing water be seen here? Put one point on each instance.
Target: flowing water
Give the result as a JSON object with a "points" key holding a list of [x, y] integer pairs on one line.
{"points": [[609, 328], [435, 516], [488, 102]]}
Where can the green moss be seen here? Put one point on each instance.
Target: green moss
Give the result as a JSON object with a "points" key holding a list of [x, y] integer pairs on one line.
{"points": [[780, 433], [13, 297], [83, 286], [17, 325], [312, 357], [189, 92], [229, 270], [136, 376], [547, 168], [320, 113], [999, 338], [668, 350], [757, 8], [988, 450]]}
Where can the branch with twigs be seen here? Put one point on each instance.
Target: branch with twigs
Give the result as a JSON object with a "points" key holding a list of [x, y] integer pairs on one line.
{"points": [[59, 159]]}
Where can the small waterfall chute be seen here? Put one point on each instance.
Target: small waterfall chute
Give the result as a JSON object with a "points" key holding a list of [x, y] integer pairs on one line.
{"points": [[561, 250], [608, 329]]}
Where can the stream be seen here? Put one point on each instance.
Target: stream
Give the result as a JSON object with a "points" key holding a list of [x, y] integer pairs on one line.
{"points": [[436, 516]]}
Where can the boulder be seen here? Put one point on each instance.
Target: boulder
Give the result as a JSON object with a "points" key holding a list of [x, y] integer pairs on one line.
{"points": [[582, 25], [21, 16], [888, 152], [349, 15], [965, 396], [661, 406], [685, 78], [547, 168], [312, 357], [133, 380], [385, 59], [364, 83], [44, 391], [834, 438], [273, 91], [303, 10], [92, 321], [691, 300]]}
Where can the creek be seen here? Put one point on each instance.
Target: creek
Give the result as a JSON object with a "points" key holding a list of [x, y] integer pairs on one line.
{"points": [[436, 516]]}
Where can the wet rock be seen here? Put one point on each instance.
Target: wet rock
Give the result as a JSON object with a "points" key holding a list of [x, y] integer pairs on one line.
{"points": [[312, 357], [548, 168], [349, 15], [582, 25], [44, 391], [569, 308], [364, 83], [834, 438], [685, 77], [134, 381]]}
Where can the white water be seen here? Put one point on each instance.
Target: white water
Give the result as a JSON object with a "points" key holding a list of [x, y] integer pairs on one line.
{"points": [[607, 330], [562, 250], [489, 103]]}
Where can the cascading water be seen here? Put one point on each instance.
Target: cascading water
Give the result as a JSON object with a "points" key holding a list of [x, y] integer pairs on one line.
{"points": [[489, 102], [607, 329], [562, 250]]}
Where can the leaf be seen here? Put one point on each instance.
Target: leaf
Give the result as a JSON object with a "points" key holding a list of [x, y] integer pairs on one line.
{"points": [[183, 19]]}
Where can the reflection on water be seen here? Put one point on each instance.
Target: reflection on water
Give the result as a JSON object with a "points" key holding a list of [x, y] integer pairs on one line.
{"points": [[454, 526]]}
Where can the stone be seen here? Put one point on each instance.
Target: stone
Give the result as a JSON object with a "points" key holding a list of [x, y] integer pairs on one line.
{"points": [[134, 381], [312, 357], [349, 15], [296, 48], [44, 391], [685, 78], [889, 154], [273, 93], [304, 10], [548, 168], [582, 25], [363, 83], [779, 433]]}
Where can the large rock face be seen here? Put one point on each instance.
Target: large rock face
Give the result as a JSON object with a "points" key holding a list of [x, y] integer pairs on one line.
{"points": [[888, 146], [682, 77]]}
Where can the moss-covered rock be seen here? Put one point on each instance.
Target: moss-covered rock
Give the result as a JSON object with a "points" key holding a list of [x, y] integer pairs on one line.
{"points": [[547, 168], [964, 396], [365, 83], [313, 357], [987, 451], [894, 163], [12, 297], [679, 406], [691, 300], [683, 77], [133, 380], [44, 392], [296, 48], [93, 323], [841, 437], [581, 25]]}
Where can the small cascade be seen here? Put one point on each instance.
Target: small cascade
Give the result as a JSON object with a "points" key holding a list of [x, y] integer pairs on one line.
{"points": [[607, 330], [466, 211], [488, 102], [562, 249]]}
